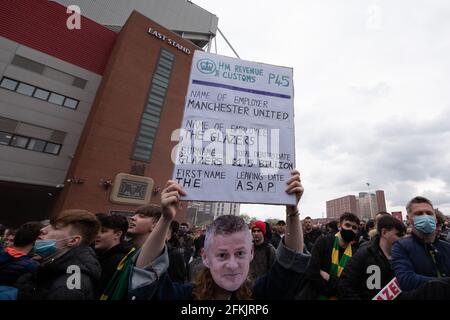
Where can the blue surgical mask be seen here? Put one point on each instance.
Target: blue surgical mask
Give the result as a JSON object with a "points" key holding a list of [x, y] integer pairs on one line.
{"points": [[45, 248], [425, 223]]}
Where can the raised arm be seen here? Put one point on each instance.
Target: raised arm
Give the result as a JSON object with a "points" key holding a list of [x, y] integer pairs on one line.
{"points": [[154, 245], [293, 238]]}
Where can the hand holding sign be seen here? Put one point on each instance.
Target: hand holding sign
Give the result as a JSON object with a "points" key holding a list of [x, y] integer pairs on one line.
{"points": [[170, 199], [294, 187]]}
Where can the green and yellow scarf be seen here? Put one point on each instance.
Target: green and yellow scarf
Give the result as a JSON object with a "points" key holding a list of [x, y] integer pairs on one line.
{"points": [[338, 265], [117, 287]]}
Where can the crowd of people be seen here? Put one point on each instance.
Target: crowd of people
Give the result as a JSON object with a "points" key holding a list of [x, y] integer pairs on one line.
{"points": [[78, 255]]}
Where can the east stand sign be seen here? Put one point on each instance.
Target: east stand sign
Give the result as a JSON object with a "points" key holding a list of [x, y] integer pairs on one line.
{"points": [[236, 142]]}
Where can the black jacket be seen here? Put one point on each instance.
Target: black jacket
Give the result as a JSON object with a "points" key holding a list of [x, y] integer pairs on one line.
{"points": [[352, 284], [310, 238], [12, 268], [320, 260], [264, 256], [50, 282], [109, 261]]}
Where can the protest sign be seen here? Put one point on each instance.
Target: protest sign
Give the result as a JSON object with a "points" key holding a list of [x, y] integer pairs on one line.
{"points": [[236, 142], [389, 292]]}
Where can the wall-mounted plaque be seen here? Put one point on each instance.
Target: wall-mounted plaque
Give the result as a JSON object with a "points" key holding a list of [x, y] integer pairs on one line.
{"points": [[131, 189]]}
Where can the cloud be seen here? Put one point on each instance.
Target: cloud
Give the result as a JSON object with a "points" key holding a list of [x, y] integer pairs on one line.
{"points": [[371, 92]]}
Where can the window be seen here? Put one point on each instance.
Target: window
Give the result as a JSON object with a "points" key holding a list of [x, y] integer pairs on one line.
{"points": [[9, 84], [5, 138], [25, 89], [151, 116], [70, 103], [41, 94], [36, 145], [20, 142], [28, 143], [56, 98], [52, 148]]}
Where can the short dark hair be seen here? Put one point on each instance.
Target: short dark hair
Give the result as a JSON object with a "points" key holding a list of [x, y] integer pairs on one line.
{"points": [[115, 222], [383, 213], [415, 200], [349, 216], [281, 223], [332, 225], [388, 222], [370, 224], [150, 210], [27, 234], [307, 218]]}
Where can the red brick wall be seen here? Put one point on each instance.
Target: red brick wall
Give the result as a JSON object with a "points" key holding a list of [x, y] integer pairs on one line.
{"points": [[107, 142]]}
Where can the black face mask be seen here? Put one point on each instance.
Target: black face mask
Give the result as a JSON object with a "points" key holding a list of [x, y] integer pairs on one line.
{"points": [[347, 235]]}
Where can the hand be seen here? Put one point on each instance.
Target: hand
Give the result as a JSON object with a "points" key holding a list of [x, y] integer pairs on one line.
{"points": [[325, 275], [170, 199], [294, 186]]}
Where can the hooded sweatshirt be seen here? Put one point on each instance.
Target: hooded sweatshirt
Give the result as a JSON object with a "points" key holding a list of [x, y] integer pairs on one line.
{"points": [[51, 280]]}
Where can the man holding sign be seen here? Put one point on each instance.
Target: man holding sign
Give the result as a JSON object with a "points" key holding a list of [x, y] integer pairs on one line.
{"points": [[237, 133], [227, 253]]}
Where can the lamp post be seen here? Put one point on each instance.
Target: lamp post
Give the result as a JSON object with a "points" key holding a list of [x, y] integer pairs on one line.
{"points": [[370, 200]]}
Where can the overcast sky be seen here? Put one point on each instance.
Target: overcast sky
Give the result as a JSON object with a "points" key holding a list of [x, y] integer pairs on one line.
{"points": [[372, 92]]}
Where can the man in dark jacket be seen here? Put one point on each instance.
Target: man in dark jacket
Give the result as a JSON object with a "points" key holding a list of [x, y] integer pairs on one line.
{"points": [[419, 258], [263, 254], [16, 260], [69, 269], [329, 256], [310, 234], [280, 227], [227, 254], [110, 245], [369, 270]]}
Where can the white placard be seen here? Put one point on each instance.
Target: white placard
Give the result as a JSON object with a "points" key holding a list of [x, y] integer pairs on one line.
{"points": [[236, 142]]}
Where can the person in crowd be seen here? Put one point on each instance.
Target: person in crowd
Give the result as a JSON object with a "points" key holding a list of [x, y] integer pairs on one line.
{"points": [[280, 228], [8, 237], [16, 260], [69, 268], [110, 245], [362, 234], [357, 281], [177, 263], [332, 227], [440, 226], [369, 232], [140, 225], [373, 231], [420, 258], [186, 239], [310, 233], [329, 256], [196, 264], [263, 252], [227, 253]]}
